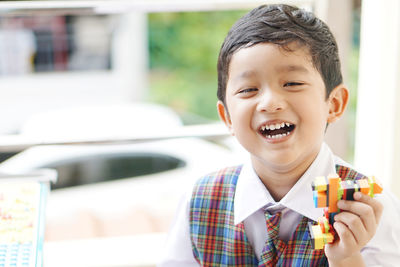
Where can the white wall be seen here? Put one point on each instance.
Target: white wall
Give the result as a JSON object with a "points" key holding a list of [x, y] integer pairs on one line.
{"points": [[377, 144]]}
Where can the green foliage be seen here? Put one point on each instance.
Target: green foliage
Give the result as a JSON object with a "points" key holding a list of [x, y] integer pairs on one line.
{"points": [[352, 106], [353, 63], [184, 49]]}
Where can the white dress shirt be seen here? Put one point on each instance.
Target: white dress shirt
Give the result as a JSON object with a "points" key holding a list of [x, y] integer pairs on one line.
{"points": [[252, 199]]}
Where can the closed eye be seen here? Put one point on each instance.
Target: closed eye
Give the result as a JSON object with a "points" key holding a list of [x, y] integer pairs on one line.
{"points": [[248, 90], [293, 84]]}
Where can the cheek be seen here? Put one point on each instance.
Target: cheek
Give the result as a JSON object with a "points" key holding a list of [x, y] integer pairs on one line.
{"points": [[241, 122], [237, 110], [314, 111], [238, 121]]}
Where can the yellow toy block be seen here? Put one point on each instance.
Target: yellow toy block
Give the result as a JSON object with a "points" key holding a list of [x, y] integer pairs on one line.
{"points": [[318, 237], [320, 183]]}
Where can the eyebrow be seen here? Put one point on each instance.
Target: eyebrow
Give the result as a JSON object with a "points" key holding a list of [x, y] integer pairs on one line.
{"points": [[246, 74], [283, 68], [292, 68]]}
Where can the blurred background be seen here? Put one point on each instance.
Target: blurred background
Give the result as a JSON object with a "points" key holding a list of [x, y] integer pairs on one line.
{"points": [[142, 75]]}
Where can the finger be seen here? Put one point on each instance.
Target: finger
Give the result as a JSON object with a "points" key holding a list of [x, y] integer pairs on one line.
{"points": [[363, 210], [356, 226], [346, 238], [374, 203]]}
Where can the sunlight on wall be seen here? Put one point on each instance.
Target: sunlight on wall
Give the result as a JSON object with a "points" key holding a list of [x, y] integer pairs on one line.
{"points": [[378, 115]]}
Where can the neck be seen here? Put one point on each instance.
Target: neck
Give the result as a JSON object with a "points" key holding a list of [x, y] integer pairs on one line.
{"points": [[280, 180]]}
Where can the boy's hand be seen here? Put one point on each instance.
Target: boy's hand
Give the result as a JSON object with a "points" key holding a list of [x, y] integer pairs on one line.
{"points": [[355, 225]]}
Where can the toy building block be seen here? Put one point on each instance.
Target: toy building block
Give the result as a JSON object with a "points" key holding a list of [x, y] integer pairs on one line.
{"points": [[326, 193], [321, 233]]}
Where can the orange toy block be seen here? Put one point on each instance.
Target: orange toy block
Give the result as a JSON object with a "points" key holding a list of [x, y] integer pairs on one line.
{"points": [[364, 186], [375, 186], [321, 199], [334, 181]]}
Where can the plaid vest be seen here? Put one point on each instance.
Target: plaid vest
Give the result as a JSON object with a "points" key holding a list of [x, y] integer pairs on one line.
{"points": [[217, 241]]}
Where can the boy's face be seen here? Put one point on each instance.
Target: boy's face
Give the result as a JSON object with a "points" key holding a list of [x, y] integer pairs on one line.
{"points": [[276, 105]]}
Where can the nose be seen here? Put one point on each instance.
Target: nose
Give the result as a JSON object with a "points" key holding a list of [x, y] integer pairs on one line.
{"points": [[271, 101]]}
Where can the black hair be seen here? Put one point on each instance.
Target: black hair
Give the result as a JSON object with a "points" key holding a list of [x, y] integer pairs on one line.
{"points": [[282, 25]]}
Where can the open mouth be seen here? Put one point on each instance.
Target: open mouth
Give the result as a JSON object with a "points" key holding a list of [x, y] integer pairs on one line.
{"points": [[277, 130]]}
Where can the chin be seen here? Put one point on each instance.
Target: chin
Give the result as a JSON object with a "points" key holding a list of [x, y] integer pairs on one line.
{"points": [[277, 162]]}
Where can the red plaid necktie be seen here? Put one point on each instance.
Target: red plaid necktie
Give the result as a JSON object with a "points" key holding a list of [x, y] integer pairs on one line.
{"points": [[273, 247]]}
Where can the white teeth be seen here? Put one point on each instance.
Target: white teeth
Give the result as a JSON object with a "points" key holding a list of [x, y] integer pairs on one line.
{"points": [[275, 126], [277, 136]]}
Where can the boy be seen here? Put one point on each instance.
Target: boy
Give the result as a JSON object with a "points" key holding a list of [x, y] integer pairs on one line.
{"points": [[279, 86]]}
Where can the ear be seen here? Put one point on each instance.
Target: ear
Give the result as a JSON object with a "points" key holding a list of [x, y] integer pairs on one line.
{"points": [[338, 100], [224, 116]]}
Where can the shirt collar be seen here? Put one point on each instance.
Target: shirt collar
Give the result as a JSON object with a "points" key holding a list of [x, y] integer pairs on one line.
{"points": [[251, 194]]}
